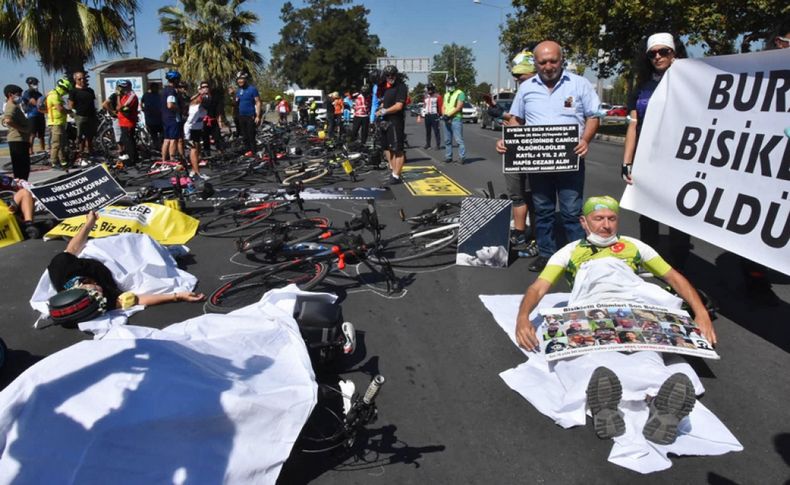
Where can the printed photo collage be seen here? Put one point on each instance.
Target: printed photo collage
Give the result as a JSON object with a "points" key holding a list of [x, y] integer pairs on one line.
{"points": [[620, 324]]}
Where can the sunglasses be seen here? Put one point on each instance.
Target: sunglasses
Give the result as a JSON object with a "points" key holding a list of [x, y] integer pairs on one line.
{"points": [[663, 52]]}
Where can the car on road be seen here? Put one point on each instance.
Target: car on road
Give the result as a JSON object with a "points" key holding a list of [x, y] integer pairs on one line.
{"points": [[470, 113], [495, 123], [617, 110], [415, 109]]}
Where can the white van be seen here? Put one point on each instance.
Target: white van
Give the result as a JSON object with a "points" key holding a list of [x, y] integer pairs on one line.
{"points": [[302, 95]]}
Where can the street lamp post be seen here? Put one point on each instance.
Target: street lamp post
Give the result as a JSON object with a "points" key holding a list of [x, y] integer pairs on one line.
{"points": [[499, 51]]}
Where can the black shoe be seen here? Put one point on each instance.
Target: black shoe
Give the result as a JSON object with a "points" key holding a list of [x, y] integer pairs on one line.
{"points": [[394, 180], [604, 392], [538, 265], [438, 148], [674, 401], [448, 160], [425, 147], [31, 231]]}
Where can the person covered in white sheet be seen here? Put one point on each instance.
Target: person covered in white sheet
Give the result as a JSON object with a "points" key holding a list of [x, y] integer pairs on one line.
{"points": [[676, 397], [67, 270]]}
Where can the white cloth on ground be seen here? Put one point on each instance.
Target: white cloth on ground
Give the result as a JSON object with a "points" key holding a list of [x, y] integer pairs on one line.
{"points": [[137, 262], [558, 389], [214, 399]]}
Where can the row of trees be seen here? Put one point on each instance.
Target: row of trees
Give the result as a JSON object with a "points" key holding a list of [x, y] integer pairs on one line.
{"points": [[608, 36]]}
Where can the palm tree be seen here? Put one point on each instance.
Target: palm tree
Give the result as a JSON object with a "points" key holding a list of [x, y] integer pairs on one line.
{"points": [[210, 40], [64, 33]]}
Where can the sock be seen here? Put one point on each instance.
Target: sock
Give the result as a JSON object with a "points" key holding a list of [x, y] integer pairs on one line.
{"points": [[395, 176]]}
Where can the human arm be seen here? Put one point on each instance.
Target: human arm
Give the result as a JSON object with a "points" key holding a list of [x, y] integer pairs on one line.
{"points": [[77, 243], [525, 331], [590, 128], [257, 110], [151, 300], [630, 147], [685, 290]]}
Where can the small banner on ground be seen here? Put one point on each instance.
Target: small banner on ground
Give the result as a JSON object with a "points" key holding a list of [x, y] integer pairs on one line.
{"points": [[605, 327], [162, 223], [9, 228], [713, 158], [542, 148], [89, 190], [428, 181], [484, 233]]}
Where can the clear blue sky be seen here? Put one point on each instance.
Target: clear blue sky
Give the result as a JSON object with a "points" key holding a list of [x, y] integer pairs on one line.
{"points": [[407, 28]]}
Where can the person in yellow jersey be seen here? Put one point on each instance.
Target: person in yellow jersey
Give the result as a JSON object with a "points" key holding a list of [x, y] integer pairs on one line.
{"points": [[57, 117]]}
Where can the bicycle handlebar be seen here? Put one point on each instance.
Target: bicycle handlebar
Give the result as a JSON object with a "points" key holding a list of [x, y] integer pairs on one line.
{"points": [[373, 389]]}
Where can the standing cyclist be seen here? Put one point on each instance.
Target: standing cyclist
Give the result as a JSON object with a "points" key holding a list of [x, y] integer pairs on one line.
{"points": [[393, 102], [249, 102], [57, 114], [30, 98], [171, 116], [452, 116]]}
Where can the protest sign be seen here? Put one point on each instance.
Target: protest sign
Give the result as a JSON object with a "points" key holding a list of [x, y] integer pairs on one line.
{"points": [[76, 195], [484, 232], [162, 223], [713, 158], [539, 149], [606, 327]]}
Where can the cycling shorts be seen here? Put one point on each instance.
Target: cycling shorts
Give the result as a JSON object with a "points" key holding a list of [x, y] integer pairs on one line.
{"points": [[173, 130], [393, 138]]}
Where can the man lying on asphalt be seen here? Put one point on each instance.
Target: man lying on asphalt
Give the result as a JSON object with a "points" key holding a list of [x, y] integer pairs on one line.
{"points": [[604, 260]]}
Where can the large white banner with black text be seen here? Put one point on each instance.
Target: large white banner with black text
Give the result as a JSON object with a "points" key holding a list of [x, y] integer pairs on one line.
{"points": [[714, 155]]}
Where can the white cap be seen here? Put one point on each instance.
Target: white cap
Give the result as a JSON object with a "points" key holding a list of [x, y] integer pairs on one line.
{"points": [[662, 38]]}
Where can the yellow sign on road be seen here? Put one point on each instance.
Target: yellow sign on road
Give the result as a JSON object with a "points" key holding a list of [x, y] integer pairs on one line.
{"points": [[429, 181]]}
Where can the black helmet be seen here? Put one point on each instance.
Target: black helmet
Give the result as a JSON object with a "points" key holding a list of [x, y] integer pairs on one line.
{"points": [[242, 75], [390, 71], [31, 80], [374, 76], [431, 87], [451, 81], [70, 307], [125, 84]]}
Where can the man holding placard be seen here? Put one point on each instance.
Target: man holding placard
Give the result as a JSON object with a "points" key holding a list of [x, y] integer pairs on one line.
{"points": [[555, 99]]}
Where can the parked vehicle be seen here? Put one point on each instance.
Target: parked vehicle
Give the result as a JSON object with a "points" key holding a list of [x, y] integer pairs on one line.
{"points": [[470, 113], [302, 95], [617, 110], [495, 123]]}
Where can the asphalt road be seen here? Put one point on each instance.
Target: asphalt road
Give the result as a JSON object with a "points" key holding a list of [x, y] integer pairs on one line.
{"points": [[445, 416]]}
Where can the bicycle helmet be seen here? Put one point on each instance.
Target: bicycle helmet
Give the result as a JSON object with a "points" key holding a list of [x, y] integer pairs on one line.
{"points": [[125, 84], [31, 80], [523, 63], [70, 307], [430, 87], [242, 75], [374, 77], [451, 82], [64, 84], [172, 75], [390, 71], [278, 98]]}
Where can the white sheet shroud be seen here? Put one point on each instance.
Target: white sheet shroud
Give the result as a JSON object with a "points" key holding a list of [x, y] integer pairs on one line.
{"points": [[214, 399], [137, 262], [558, 390]]}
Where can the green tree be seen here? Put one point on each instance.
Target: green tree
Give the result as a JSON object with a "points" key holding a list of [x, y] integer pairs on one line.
{"points": [[577, 26], [417, 92], [210, 40], [65, 34], [476, 93], [456, 60], [325, 45]]}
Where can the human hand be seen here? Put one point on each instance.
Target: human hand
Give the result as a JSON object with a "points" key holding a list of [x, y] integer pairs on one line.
{"points": [[91, 218], [257, 120], [190, 296], [525, 333], [581, 148], [625, 172], [500, 146], [706, 327]]}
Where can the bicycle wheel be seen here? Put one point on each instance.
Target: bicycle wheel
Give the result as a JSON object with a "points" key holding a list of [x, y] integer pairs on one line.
{"points": [[248, 289], [415, 244], [145, 176], [309, 175], [233, 221], [296, 231], [226, 177]]}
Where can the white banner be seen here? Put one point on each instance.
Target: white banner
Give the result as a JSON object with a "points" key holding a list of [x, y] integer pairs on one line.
{"points": [[714, 155]]}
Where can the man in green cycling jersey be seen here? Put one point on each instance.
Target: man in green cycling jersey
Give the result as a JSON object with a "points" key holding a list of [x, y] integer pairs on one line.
{"points": [[600, 220]]}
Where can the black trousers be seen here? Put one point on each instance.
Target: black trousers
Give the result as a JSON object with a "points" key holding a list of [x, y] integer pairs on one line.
{"points": [[432, 124], [360, 123], [157, 133], [210, 132], [247, 131], [129, 144], [20, 158]]}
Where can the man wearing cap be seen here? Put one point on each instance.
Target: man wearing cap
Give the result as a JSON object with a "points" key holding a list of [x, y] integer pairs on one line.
{"points": [[556, 97], [600, 221], [596, 266]]}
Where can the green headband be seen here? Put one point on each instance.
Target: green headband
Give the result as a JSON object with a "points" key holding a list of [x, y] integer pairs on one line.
{"points": [[600, 202]]}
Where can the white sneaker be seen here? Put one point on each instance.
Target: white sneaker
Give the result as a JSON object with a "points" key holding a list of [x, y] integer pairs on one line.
{"points": [[192, 174], [123, 157], [203, 176]]}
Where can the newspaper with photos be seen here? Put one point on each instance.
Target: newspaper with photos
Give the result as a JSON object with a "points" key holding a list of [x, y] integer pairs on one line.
{"points": [[604, 327]]}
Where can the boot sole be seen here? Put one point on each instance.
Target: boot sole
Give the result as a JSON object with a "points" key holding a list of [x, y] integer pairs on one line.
{"points": [[674, 401], [603, 395]]}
